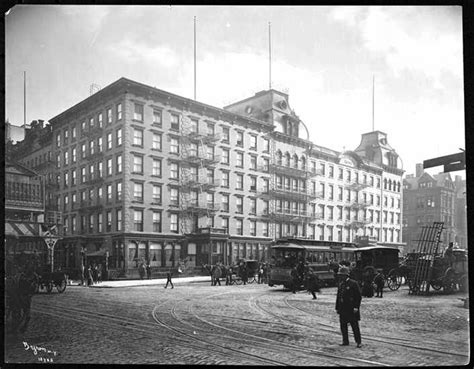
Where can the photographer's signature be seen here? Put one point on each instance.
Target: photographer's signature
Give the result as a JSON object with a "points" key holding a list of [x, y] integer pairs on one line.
{"points": [[41, 351]]}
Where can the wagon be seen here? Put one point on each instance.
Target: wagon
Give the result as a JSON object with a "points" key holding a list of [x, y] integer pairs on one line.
{"points": [[438, 272], [47, 280], [369, 259]]}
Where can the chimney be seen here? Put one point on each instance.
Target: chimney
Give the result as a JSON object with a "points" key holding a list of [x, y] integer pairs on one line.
{"points": [[419, 170]]}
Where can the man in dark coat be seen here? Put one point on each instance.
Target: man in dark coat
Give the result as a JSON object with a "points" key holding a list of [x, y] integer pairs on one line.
{"points": [[295, 281], [347, 306], [312, 283], [379, 281]]}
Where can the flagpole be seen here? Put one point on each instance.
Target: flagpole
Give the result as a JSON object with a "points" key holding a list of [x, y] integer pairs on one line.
{"points": [[373, 103], [194, 57], [270, 55], [24, 100]]}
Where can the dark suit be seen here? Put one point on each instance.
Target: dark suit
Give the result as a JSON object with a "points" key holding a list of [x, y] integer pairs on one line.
{"points": [[348, 299]]}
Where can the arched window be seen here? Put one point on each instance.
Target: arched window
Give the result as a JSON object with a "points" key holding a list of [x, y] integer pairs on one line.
{"points": [[385, 184], [390, 185], [278, 157], [295, 161], [288, 159], [303, 163]]}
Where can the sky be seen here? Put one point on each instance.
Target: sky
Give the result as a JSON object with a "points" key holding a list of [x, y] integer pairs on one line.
{"points": [[324, 57]]}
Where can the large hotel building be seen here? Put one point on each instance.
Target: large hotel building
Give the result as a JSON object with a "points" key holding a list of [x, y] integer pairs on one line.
{"points": [[142, 174]]}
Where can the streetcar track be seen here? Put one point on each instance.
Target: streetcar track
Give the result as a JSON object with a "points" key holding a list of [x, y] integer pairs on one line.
{"points": [[330, 329]]}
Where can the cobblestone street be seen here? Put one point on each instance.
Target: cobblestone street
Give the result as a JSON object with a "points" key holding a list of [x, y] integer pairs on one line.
{"points": [[237, 325]]}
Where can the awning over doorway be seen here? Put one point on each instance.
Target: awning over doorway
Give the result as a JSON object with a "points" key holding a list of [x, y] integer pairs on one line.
{"points": [[21, 229]]}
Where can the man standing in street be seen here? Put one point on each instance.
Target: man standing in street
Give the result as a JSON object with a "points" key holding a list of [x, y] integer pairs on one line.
{"points": [[347, 306]]}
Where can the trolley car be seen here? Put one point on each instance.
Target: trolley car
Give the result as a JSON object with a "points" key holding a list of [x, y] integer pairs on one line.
{"points": [[323, 257]]}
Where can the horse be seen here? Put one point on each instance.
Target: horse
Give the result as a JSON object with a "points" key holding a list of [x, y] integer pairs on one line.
{"points": [[19, 290], [216, 274]]}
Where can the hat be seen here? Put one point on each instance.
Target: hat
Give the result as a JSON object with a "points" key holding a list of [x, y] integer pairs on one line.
{"points": [[343, 270]]}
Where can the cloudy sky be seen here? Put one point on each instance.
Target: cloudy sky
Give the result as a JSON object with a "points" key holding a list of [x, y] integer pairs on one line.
{"points": [[324, 57]]}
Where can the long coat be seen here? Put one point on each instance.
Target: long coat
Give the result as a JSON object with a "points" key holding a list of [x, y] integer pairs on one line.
{"points": [[348, 298]]}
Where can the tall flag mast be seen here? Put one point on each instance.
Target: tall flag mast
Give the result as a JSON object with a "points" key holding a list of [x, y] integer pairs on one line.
{"points": [[194, 57], [270, 55], [373, 103], [24, 99]]}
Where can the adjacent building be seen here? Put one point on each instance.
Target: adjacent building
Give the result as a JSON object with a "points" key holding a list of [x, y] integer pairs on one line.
{"points": [[141, 174], [427, 199]]}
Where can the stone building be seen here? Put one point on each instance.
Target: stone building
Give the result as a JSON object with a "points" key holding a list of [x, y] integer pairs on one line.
{"points": [[146, 175], [427, 199]]}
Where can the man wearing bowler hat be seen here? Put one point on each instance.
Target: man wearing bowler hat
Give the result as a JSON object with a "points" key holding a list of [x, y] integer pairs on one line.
{"points": [[347, 306]]}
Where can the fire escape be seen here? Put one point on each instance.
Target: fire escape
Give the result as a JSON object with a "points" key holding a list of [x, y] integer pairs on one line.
{"points": [[197, 161], [300, 197], [358, 205]]}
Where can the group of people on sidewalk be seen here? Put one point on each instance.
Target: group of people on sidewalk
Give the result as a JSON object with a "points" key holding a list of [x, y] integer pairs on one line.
{"points": [[92, 275]]}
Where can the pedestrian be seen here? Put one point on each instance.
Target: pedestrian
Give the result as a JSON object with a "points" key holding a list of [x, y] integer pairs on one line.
{"points": [[99, 273], [260, 274], [168, 279], [141, 270], [294, 279], [90, 277], [312, 283], [379, 281], [94, 273], [148, 271], [228, 276], [82, 272], [348, 306], [244, 273], [216, 275]]}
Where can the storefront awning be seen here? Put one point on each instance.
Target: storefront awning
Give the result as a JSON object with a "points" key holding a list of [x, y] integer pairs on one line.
{"points": [[21, 229]]}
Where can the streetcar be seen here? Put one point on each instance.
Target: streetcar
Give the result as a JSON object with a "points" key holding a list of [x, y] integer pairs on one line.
{"points": [[323, 257]]}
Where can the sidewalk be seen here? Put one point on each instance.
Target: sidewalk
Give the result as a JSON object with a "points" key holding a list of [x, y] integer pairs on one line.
{"points": [[148, 282]]}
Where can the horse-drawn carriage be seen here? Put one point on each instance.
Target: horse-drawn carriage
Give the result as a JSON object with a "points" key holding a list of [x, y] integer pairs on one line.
{"points": [[47, 280], [370, 259], [437, 271]]}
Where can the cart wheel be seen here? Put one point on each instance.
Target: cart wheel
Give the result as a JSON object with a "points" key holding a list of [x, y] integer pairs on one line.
{"points": [[238, 281], [464, 283], [61, 286], [394, 280], [437, 285], [49, 287]]}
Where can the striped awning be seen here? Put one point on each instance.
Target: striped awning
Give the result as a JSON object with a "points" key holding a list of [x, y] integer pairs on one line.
{"points": [[21, 229]]}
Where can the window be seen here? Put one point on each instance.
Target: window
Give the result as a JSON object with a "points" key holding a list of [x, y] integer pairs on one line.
{"points": [[156, 194], [239, 160], [210, 200], [331, 171], [91, 147], [253, 184], [83, 126], [108, 225], [265, 207], [175, 122], [157, 221], [157, 140], [211, 131], [119, 164], [118, 220], [225, 156], [378, 182], [225, 179], [74, 155], [99, 144], [138, 192], [210, 152], [74, 132], [137, 164], [73, 224], [100, 120], [91, 171], [253, 162], [210, 176], [225, 202], [239, 226], [65, 202], [174, 171], [109, 115], [109, 140], [109, 166], [253, 206], [108, 191], [265, 229], [193, 150], [174, 223], [331, 192], [225, 224], [118, 192], [225, 135], [156, 169], [100, 222], [239, 204], [174, 196], [83, 175], [266, 164], [91, 123], [239, 181], [73, 177], [58, 140], [119, 136], [253, 227], [138, 137], [266, 145], [83, 150], [253, 142], [157, 117], [138, 112], [174, 145], [265, 188], [240, 139], [138, 220]]}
